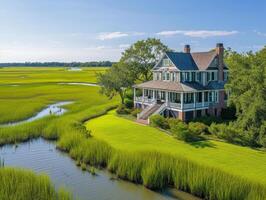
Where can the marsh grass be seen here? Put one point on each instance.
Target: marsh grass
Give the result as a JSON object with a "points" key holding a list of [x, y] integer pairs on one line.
{"points": [[157, 170], [18, 184]]}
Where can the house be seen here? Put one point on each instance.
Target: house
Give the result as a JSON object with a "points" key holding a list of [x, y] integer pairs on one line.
{"points": [[185, 85]]}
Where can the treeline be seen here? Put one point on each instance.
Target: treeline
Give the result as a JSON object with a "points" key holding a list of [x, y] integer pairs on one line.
{"points": [[59, 64]]}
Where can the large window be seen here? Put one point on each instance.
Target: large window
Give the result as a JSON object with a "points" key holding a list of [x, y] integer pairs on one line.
{"points": [[188, 98], [174, 97], [225, 76]]}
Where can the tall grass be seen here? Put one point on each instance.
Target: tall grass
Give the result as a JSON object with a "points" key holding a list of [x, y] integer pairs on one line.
{"points": [[158, 170], [18, 184]]}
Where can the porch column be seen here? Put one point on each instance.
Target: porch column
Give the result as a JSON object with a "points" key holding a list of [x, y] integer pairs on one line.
{"points": [[182, 100], [202, 97], [134, 96], [142, 97], [194, 95], [166, 98], [153, 94]]}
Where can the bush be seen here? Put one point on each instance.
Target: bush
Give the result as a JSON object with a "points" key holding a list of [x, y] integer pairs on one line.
{"points": [[232, 134], [135, 112], [208, 120], [198, 128], [159, 121], [129, 103], [129, 94], [122, 110], [180, 131]]}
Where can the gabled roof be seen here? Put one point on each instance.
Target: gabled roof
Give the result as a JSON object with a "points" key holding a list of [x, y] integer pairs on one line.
{"points": [[183, 61], [191, 61], [203, 59]]}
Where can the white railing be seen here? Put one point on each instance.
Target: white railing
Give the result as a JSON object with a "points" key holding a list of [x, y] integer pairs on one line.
{"points": [[159, 110], [139, 115], [188, 106], [144, 100], [174, 105]]}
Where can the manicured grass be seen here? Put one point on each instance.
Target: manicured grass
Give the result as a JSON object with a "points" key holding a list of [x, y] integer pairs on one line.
{"points": [[19, 75], [16, 184], [128, 136]]}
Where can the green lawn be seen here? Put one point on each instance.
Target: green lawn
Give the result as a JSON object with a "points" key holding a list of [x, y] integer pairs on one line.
{"points": [[127, 135]]}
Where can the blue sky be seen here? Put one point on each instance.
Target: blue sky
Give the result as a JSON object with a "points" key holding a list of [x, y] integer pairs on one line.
{"points": [[86, 30]]}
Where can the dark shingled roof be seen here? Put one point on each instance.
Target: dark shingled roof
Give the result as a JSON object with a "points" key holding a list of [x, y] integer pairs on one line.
{"points": [[216, 85], [183, 61], [192, 61]]}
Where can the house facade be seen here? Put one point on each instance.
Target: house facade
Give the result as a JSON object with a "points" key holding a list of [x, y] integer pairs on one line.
{"points": [[185, 85]]}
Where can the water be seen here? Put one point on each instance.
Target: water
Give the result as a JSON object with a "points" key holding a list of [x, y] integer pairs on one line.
{"points": [[85, 84], [53, 109], [42, 157]]}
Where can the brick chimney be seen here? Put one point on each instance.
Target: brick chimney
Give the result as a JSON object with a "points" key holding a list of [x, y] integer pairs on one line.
{"points": [[220, 53], [187, 48]]}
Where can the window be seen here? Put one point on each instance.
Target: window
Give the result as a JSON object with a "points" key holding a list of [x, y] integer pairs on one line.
{"points": [[183, 76], [187, 76], [166, 62], [199, 76], [158, 76], [189, 98], [193, 76], [173, 76], [163, 76], [208, 76], [167, 76], [225, 76], [212, 76]]}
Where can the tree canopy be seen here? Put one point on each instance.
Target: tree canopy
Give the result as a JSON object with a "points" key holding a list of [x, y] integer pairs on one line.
{"points": [[247, 87], [115, 81], [141, 57]]}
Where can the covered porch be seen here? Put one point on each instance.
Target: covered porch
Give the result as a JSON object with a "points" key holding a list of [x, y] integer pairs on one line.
{"points": [[175, 100]]}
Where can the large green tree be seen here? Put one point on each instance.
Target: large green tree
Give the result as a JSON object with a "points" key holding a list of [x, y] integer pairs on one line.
{"points": [[115, 81], [247, 87], [141, 57]]}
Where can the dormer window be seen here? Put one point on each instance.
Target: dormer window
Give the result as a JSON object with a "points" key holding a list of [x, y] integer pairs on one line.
{"points": [[166, 62]]}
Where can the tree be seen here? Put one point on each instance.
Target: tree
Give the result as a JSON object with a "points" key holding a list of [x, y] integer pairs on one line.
{"points": [[115, 81], [142, 56], [247, 87]]}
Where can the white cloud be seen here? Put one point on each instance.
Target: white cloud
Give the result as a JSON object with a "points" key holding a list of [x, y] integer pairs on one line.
{"points": [[117, 34], [260, 33], [197, 33], [111, 35]]}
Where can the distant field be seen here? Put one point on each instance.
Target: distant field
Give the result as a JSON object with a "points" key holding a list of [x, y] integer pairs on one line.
{"points": [[19, 75], [24, 91], [127, 135]]}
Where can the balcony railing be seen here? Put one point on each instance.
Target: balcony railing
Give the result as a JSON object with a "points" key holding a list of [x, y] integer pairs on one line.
{"points": [[150, 101]]}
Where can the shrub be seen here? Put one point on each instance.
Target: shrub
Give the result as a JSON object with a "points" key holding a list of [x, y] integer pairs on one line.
{"points": [[159, 121], [208, 120], [135, 112], [198, 128], [122, 110], [129, 94], [180, 131], [129, 103]]}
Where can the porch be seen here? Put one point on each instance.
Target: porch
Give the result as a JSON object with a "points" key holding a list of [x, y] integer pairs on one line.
{"points": [[176, 100]]}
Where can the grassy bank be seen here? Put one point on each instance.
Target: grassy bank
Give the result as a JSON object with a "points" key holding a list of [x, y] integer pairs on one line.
{"points": [[21, 184]]}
